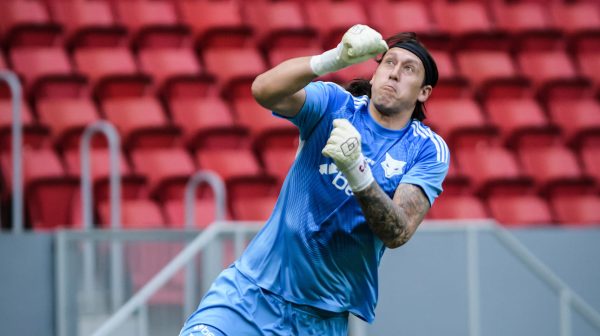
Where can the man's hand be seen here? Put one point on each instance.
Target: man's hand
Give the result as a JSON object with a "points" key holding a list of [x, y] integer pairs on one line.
{"points": [[344, 147], [359, 44]]}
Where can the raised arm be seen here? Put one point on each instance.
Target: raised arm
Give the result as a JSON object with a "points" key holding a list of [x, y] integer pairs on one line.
{"points": [[281, 88]]}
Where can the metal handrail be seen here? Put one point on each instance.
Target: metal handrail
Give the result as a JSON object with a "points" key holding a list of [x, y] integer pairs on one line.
{"points": [[215, 182], [17, 149], [116, 261]]}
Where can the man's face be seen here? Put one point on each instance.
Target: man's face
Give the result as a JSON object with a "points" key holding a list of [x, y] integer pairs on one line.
{"points": [[397, 82]]}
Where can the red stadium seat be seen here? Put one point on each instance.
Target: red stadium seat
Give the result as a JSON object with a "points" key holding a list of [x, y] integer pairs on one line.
{"points": [[27, 23], [362, 70], [520, 210], [520, 120], [88, 23], [229, 163], [463, 17], [67, 117], [151, 23], [279, 24], [255, 208], [235, 68], [522, 16], [589, 64], [458, 207], [215, 23], [260, 121], [167, 170], [202, 118], [576, 17], [578, 118], [331, 19], [390, 17], [47, 71], [484, 66], [577, 209], [113, 71], [590, 158], [445, 64], [49, 192], [544, 67], [135, 214], [205, 209], [34, 134], [493, 170], [254, 200], [278, 55], [278, 161], [175, 70], [141, 121], [554, 168], [459, 121]]}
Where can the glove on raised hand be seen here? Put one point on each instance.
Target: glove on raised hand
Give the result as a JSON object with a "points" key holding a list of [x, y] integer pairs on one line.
{"points": [[344, 147], [359, 44]]}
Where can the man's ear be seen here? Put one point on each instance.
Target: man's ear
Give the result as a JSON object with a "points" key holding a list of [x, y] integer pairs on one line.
{"points": [[425, 93]]}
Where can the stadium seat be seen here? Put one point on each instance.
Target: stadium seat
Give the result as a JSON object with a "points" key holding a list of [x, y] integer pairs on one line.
{"points": [[576, 17], [520, 210], [492, 170], [167, 170], [27, 23], [278, 55], [590, 158], [113, 71], [229, 163], [460, 121], [234, 68], [331, 19], [132, 185], [445, 64], [47, 71], [215, 23], [141, 121], [545, 67], [49, 192], [67, 117], [578, 118], [135, 214], [362, 70], [577, 209], [34, 134], [88, 23], [205, 209], [253, 200], [278, 24], [254, 209], [482, 67], [391, 17], [522, 16], [587, 51], [203, 118], [458, 207], [151, 23], [260, 121], [521, 120], [462, 17], [554, 168], [174, 70]]}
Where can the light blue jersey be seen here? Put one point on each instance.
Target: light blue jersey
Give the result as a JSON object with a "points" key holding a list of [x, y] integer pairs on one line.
{"points": [[316, 248]]}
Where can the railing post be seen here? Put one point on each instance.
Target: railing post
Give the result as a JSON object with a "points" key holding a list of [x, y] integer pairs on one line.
{"points": [[473, 279], [17, 149], [116, 259], [214, 181]]}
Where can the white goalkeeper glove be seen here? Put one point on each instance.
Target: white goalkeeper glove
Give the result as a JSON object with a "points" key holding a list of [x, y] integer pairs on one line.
{"points": [[344, 147], [359, 43]]}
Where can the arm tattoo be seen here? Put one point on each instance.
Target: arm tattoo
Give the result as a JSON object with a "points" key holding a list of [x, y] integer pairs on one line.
{"points": [[393, 221]]}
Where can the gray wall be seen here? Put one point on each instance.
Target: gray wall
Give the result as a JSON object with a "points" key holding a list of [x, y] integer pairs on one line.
{"points": [[423, 285], [26, 284]]}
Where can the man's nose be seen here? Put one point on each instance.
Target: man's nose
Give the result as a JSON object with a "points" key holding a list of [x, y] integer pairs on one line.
{"points": [[394, 73]]}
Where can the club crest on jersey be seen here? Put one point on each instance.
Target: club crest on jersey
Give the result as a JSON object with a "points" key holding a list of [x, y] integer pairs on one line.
{"points": [[392, 167]]}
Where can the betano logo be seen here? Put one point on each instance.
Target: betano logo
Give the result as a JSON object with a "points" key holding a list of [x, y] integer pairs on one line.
{"points": [[339, 181], [204, 330]]}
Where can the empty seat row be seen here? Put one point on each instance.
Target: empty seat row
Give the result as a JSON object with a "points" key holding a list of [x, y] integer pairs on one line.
{"points": [[328, 19]]}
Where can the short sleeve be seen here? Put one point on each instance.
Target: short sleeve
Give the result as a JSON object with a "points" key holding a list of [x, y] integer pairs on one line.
{"points": [[430, 169], [320, 96]]}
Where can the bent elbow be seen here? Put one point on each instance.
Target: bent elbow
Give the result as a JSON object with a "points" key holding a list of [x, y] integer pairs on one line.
{"points": [[260, 91]]}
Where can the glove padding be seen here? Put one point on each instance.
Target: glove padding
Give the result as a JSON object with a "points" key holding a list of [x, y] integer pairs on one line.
{"points": [[359, 44], [344, 147]]}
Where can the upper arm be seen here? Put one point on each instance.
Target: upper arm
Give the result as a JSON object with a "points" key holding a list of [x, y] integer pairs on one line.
{"points": [[414, 204], [290, 106]]}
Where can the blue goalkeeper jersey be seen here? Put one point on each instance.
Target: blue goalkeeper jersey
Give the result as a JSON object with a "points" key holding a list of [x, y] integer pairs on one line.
{"points": [[316, 248]]}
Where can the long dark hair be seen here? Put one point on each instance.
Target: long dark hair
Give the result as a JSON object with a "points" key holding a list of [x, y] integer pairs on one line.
{"points": [[361, 87]]}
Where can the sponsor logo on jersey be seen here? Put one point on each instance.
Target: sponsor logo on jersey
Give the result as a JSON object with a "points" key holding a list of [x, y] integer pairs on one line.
{"points": [[203, 330]]}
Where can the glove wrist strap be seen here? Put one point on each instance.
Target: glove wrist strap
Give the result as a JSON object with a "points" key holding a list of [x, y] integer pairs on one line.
{"points": [[359, 174], [327, 62]]}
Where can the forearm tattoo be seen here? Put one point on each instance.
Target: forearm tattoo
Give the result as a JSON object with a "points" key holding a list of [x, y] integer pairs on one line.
{"points": [[393, 221]]}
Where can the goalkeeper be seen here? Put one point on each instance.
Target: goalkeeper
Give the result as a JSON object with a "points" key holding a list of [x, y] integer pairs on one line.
{"points": [[366, 173]]}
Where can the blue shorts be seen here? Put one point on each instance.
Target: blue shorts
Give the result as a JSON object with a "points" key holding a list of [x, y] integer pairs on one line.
{"points": [[234, 306]]}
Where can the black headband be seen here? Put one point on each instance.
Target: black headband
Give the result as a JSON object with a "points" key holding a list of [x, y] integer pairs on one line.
{"points": [[431, 72]]}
